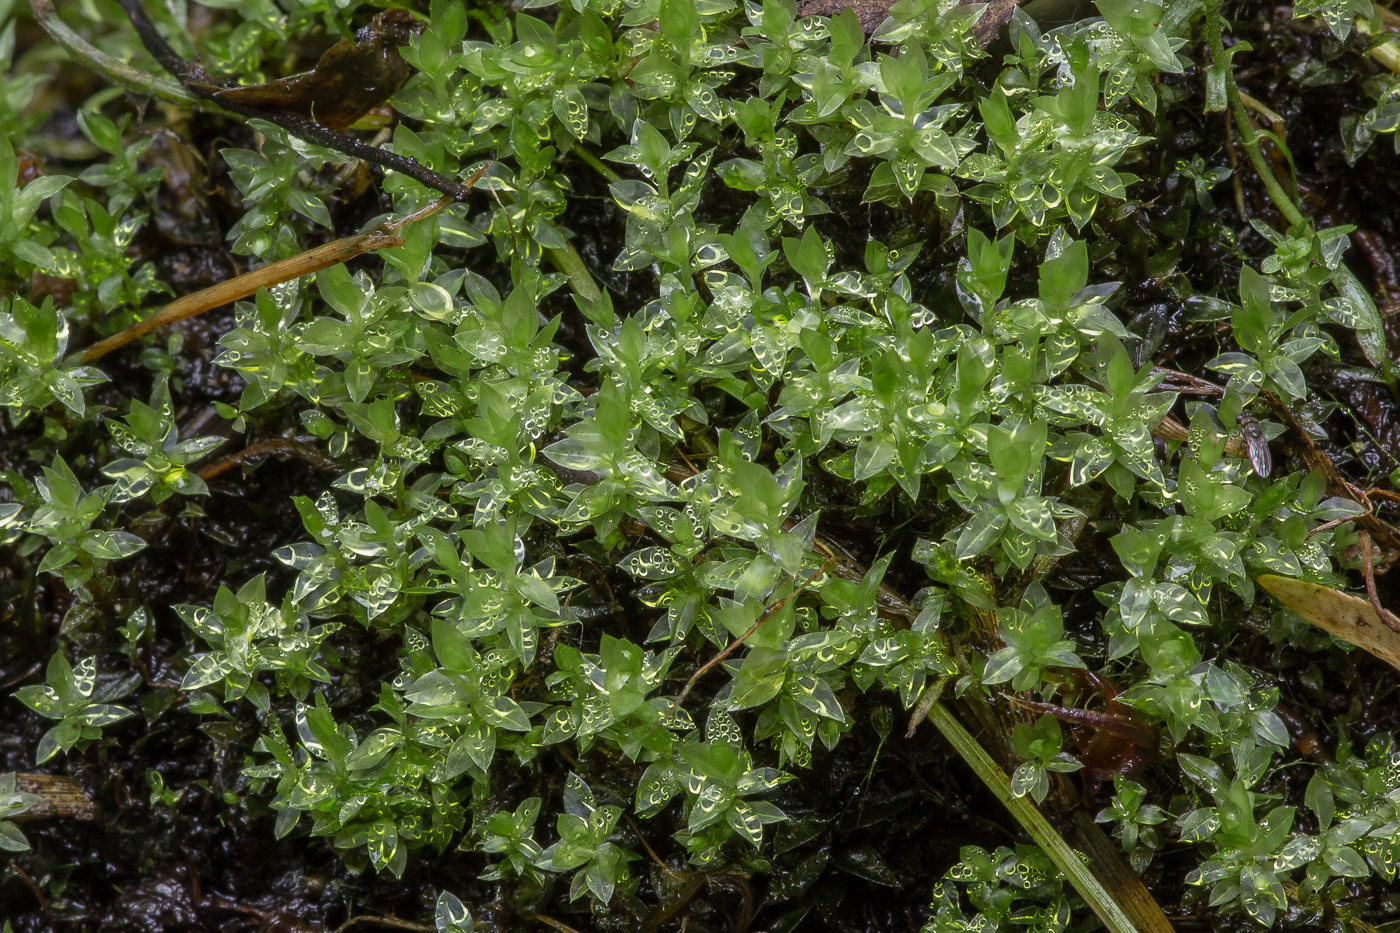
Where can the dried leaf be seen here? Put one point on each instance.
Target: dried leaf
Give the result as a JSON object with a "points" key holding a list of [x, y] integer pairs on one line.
{"points": [[349, 80], [993, 18], [1339, 614], [59, 796]]}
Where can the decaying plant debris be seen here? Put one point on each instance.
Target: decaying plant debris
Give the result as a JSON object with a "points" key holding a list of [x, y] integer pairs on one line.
{"points": [[684, 465]]}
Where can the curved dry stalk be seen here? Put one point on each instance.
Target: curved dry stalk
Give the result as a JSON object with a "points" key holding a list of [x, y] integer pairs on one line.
{"points": [[1082, 876], [241, 286], [393, 923], [280, 446], [119, 73], [333, 253]]}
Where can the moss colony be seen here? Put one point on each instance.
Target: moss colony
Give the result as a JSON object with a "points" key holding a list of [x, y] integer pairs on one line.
{"points": [[577, 551]]}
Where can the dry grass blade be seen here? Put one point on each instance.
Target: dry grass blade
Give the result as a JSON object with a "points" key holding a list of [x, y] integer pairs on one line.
{"points": [[383, 236], [59, 796], [1118, 879], [1086, 879], [1341, 615], [241, 286]]}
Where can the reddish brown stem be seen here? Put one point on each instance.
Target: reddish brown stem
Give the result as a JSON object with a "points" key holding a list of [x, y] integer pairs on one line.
{"points": [[277, 445], [1363, 541], [384, 236], [758, 624]]}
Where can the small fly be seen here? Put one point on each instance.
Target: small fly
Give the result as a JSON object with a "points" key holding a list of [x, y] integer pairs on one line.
{"points": [[1256, 445]]}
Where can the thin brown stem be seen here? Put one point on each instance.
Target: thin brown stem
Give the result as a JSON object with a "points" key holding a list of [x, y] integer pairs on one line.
{"points": [[1368, 568], [1337, 484], [393, 923], [641, 837], [33, 889], [1383, 494], [1328, 526], [553, 924], [768, 613], [272, 446], [224, 903], [384, 236]]}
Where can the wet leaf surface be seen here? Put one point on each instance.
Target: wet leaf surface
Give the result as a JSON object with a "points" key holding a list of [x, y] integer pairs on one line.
{"points": [[865, 863]]}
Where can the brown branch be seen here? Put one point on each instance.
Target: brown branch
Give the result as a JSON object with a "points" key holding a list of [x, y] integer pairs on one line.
{"points": [[749, 633], [275, 445], [194, 78], [384, 236], [33, 889], [1368, 570], [1337, 484], [667, 870]]}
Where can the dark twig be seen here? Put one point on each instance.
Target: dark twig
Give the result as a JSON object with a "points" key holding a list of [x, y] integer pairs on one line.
{"points": [[197, 82], [393, 923]]}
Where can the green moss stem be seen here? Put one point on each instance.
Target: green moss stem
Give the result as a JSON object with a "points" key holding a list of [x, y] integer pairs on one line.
{"points": [[1249, 138], [596, 164], [119, 73], [569, 262], [1369, 332], [1066, 859]]}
